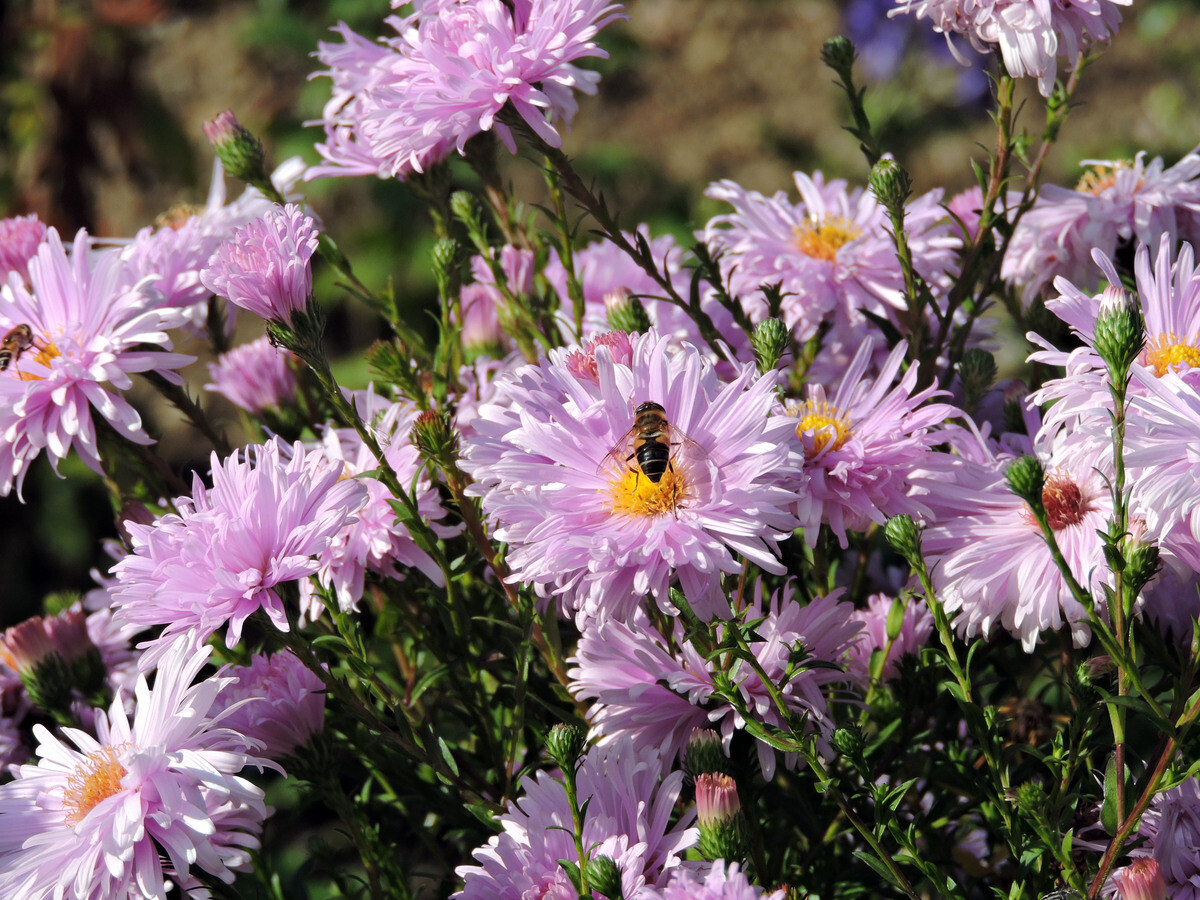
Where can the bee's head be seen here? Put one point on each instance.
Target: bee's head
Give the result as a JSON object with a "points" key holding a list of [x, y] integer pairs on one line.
{"points": [[649, 406]]}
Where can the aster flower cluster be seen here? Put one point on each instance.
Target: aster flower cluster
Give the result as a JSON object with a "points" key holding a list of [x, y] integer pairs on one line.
{"points": [[642, 567]]}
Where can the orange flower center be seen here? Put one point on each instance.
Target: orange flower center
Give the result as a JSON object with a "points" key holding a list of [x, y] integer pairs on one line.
{"points": [[829, 426], [177, 216], [1100, 178], [95, 779], [39, 351], [633, 494], [822, 238], [1167, 350]]}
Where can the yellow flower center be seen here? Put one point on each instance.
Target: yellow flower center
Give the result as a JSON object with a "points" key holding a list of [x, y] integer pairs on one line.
{"points": [[95, 779], [177, 216], [633, 494], [42, 353], [829, 426], [1100, 178], [821, 238], [1167, 350]]}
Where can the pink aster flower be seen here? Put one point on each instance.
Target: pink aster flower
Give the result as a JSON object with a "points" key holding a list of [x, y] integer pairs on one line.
{"points": [[1116, 202], [1142, 879], [915, 628], [1030, 36], [19, 240], [374, 540], [583, 521], [265, 266], [990, 564], [86, 337], [221, 557], [277, 701], [720, 883], [1171, 827], [180, 245], [831, 253], [866, 453], [656, 689], [94, 820], [630, 803], [254, 376], [444, 77]]}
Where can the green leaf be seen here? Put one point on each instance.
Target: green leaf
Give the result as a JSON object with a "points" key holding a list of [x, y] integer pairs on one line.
{"points": [[1108, 810]]}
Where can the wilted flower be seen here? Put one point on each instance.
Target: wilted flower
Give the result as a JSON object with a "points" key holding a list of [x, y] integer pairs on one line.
{"points": [[94, 819]]}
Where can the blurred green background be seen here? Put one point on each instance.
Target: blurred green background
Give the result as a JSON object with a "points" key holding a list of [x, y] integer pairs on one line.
{"points": [[101, 105]]}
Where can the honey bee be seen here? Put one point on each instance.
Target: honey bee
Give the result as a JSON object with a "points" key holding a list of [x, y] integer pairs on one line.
{"points": [[13, 344], [655, 444]]}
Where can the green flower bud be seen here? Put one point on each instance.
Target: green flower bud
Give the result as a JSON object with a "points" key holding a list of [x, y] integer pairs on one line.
{"points": [[704, 755], [904, 535], [1026, 477], [565, 744], [445, 258], [891, 185], [978, 373], [770, 341], [838, 54], [435, 438], [848, 741], [1120, 331], [626, 312], [1141, 563], [895, 618], [240, 152], [605, 878]]}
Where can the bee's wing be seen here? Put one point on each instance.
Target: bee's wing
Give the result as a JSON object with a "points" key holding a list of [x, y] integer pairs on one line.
{"points": [[617, 459], [683, 447]]}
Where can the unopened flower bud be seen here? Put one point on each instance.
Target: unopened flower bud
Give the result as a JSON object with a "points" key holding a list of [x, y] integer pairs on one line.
{"points": [[978, 373], [895, 618], [848, 741], [719, 817], [890, 184], [838, 54], [1031, 796], [435, 438], [27, 649], [705, 755], [605, 878], [465, 207], [1026, 477], [904, 535], [445, 258], [1120, 330], [1142, 879], [239, 151], [1141, 563], [626, 312], [565, 744], [770, 341]]}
